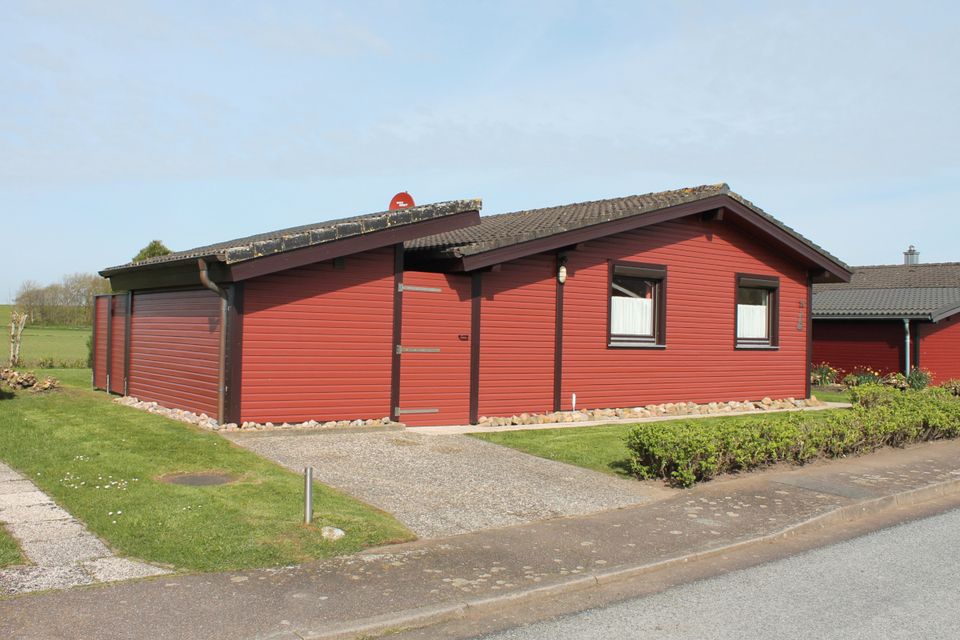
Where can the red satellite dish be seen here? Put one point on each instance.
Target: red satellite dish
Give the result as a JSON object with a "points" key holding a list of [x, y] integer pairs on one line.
{"points": [[402, 200]]}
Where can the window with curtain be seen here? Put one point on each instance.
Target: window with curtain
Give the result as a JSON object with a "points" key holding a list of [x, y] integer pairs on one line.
{"points": [[636, 305], [757, 311]]}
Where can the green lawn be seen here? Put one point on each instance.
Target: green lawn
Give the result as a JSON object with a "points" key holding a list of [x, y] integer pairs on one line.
{"points": [[601, 448], [831, 396], [102, 462], [65, 345], [9, 551]]}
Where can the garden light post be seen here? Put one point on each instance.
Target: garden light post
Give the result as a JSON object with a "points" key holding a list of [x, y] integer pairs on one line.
{"points": [[308, 495]]}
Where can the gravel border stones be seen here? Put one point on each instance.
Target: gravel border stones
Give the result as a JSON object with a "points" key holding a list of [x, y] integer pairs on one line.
{"points": [[585, 415]]}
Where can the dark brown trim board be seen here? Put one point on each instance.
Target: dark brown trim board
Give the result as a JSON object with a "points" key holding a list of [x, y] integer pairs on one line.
{"points": [[736, 210], [771, 283], [109, 337], [93, 343], [397, 330], [809, 323], [476, 297], [233, 354], [558, 337], [347, 246], [126, 343], [648, 271]]}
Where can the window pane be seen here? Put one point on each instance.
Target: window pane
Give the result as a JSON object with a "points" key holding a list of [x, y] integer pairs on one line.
{"points": [[746, 295], [752, 321], [632, 306], [753, 313], [633, 287], [631, 316]]}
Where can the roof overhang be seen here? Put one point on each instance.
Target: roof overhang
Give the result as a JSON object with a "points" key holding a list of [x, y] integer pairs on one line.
{"points": [[185, 272], [826, 268], [884, 316]]}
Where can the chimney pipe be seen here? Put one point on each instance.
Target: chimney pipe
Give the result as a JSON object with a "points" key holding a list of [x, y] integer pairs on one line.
{"points": [[911, 256]]}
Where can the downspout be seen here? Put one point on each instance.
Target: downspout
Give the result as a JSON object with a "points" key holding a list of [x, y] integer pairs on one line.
{"points": [[906, 346], [221, 373]]}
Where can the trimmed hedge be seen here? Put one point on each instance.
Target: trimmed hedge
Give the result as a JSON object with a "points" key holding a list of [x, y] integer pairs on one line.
{"points": [[685, 452]]}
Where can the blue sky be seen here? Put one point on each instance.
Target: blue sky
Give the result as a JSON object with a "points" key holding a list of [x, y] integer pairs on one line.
{"points": [[193, 122]]}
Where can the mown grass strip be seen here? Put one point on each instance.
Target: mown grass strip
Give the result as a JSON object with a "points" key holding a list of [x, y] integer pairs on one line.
{"points": [[103, 463], [9, 550]]}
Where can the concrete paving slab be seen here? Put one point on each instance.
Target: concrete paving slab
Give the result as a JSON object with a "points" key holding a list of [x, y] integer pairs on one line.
{"points": [[24, 499], [113, 568], [16, 486], [50, 530], [6, 473], [65, 551], [32, 513], [19, 580]]}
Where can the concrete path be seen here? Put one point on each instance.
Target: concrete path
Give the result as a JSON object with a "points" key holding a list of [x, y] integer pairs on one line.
{"points": [[431, 581], [64, 554], [447, 485]]}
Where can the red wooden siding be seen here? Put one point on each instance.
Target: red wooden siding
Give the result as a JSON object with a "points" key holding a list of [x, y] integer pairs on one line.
{"points": [[439, 320], [517, 337], [940, 348], [118, 330], [101, 311], [317, 341], [853, 344], [699, 363], [175, 349]]}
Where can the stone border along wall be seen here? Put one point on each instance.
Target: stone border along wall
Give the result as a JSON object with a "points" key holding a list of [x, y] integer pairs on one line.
{"points": [[669, 409]]}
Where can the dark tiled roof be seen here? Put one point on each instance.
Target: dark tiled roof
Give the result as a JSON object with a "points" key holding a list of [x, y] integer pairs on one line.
{"points": [[250, 247], [929, 291], [892, 276], [506, 229], [929, 303]]}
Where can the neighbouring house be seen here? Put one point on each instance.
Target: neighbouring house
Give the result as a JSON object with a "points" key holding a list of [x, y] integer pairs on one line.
{"points": [[891, 318], [436, 315]]}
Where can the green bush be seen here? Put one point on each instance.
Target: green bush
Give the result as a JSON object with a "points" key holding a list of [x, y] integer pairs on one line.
{"points": [[952, 386], [918, 378], [685, 452]]}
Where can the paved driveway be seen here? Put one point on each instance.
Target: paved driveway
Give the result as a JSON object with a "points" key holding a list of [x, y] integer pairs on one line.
{"points": [[449, 484]]}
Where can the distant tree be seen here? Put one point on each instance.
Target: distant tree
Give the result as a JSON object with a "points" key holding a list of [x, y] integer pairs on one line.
{"points": [[66, 303], [153, 250]]}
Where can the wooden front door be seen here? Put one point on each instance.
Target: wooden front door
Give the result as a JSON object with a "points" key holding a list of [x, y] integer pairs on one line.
{"points": [[435, 349]]}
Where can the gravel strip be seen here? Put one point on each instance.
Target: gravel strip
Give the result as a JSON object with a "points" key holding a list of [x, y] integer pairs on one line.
{"points": [[447, 485]]}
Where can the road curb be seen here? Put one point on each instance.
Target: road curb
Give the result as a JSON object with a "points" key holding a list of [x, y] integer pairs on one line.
{"points": [[435, 614]]}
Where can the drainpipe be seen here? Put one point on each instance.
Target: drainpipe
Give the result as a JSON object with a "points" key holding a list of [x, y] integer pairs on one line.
{"points": [[210, 284], [906, 346]]}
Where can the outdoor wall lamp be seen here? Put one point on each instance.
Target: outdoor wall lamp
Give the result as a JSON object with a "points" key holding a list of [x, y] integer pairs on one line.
{"points": [[562, 271]]}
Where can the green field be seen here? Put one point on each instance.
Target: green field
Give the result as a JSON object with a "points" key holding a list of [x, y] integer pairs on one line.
{"points": [[65, 346]]}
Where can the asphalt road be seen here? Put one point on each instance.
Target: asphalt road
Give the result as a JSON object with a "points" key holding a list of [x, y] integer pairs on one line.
{"points": [[900, 582]]}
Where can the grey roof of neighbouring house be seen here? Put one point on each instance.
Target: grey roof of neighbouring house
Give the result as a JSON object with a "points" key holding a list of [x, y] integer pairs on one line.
{"points": [[922, 291], [250, 247], [506, 229]]}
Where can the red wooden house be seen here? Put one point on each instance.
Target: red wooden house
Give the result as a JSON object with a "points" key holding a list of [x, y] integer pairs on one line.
{"points": [[891, 318], [434, 315]]}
